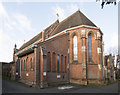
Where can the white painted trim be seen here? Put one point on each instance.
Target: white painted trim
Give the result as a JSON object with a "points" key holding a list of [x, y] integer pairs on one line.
{"points": [[75, 32], [26, 49], [30, 46]]}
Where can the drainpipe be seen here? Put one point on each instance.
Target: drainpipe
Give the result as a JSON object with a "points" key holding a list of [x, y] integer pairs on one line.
{"points": [[86, 61], [68, 67]]}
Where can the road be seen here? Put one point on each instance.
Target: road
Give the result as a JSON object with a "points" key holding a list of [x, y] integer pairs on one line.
{"points": [[9, 86]]}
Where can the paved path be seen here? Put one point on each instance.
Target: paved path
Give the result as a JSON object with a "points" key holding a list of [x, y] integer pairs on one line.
{"points": [[15, 87]]}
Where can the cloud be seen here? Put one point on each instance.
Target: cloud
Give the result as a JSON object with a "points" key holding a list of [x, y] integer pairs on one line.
{"points": [[64, 12], [12, 28], [5, 45], [72, 8], [111, 43], [23, 22], [3, 11]]}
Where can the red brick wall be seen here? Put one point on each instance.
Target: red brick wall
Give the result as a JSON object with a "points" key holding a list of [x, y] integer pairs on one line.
{"points": [[54, 47], [28, 67], [95, 55], [52, 77], [76, 71], [93, 71], [57, 46]]}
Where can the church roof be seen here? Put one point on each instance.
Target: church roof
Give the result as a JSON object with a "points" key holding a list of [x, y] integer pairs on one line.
{"points": [[37, 37], [76, 19]]}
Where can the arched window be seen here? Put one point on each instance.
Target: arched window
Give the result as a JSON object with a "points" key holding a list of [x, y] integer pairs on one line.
{"points": [[62, 63], [31, 63], [24, 64], [21, 64], [90, 47], [49, 62], [58, 63], [65, 64], [75, 47], [54, 65]]}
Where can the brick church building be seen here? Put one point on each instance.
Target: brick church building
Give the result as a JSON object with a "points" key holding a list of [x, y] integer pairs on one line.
{"points": [[66, 51]]}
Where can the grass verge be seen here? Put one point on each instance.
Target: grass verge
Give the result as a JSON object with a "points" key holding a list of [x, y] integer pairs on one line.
{"points": [[6, 78]]}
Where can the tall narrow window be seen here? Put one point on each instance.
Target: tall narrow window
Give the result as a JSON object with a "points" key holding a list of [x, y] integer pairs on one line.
{"points": [[49, 62], [90, 47], [26, 67], [58, 63], [54, 65], [65, 63], [31, 63], [21, 65], [24, 64], [75, 47], [62, 63]]}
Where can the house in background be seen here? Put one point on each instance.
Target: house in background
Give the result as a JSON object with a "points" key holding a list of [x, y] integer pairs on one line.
{"points": [[7, 69], [118, 67], [66, 51], [110, 72]]}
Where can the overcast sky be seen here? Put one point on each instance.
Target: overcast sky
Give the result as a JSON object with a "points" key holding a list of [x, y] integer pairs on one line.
{"points": [[20, 21]]}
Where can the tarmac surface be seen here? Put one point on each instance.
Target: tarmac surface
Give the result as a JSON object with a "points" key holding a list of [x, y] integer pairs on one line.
{"points": [[9, 86]]}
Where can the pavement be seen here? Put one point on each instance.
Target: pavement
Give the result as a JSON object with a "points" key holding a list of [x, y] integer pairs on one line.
{"points": [[9, 86]]}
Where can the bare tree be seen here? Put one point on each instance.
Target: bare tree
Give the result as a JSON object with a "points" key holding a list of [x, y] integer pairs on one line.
{"points": [[113, 51]]}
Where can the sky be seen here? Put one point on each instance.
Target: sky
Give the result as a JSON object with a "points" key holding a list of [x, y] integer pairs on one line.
{"points": [[20, 21]]}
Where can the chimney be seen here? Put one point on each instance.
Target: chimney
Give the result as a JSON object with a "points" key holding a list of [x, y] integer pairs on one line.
{"points": [[43, 38], [15, 50]]}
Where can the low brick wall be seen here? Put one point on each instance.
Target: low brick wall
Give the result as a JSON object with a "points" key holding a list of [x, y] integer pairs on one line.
{"points": [[85, 82], [96, 81], [78, 81], [27, 82], [52, 77]]}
